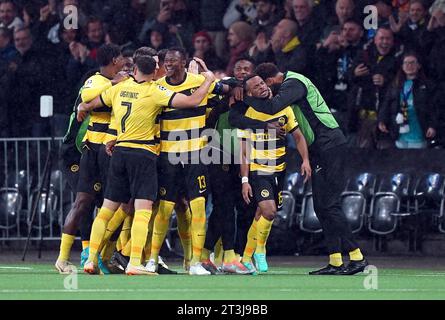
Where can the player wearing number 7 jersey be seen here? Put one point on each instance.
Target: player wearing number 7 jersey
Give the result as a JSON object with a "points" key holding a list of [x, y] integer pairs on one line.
{"points": [[136, 103]]}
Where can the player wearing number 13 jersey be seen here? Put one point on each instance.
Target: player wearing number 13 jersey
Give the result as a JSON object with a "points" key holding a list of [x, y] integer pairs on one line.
{"points": [[136, 103]]}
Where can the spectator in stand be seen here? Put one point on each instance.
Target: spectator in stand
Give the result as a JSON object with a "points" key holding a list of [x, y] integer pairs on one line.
{"points": [[288, 52], [371, 73], [309, 26], [7, 49], [203, 49], [409, 113], [29, 77], [334, 57], [83, 54], [210, 14], [158, 38], [267, 16], [344, 10], [437, 66], [9, 17], [241, 37], [411, 29], [175, 17], [239, 10], [437, 55]]}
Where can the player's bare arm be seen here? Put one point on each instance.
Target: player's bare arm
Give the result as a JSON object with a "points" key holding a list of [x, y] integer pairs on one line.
{"points": [[300, 141]]}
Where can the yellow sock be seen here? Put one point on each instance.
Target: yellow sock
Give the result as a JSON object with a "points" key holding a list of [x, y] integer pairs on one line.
{"points": [[108, 250], [229, 256], [139, 232], [65, 246], [125, 232], [119, 244], [184, 231], [205, 255], [356, 255], [263, 230], [238, 257], [85, 244], [126, 251], [160, 227], [198, 207], [335, 259], [98, 231], [219, 252], [251, 242], [147, 248]]}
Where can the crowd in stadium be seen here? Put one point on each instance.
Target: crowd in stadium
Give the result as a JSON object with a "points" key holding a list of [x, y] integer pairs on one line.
{"points": [[360, 72]]}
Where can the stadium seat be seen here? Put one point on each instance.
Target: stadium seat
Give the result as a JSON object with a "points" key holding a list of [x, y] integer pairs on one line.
{"points": [[296, 186], [386, 204], [287, 212], [10, 206], [429, 196], [44, 218], [308, 220], [358, 190]]}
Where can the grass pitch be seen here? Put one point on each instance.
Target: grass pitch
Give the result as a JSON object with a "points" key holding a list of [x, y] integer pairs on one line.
{"points": [[41, 281]]}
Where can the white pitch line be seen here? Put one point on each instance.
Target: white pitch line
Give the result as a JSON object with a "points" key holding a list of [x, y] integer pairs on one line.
{"points": [[17, 268], [153, 290]]}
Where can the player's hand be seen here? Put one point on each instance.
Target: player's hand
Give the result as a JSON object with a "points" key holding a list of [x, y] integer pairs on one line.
{"points": [[201, 63], [82, 112], [247, 192], [120, 76], [193, 67], [109, 147], [306, 170], [210, 77], [277, 128], [238, 93]]}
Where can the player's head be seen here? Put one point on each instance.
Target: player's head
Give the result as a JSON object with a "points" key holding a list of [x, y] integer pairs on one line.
{"points": [[110, 56], [128, 61], [146, 51], [161, 58], [144, 65], [255, 86], [175, 61], [243, 67], [271, 75]]}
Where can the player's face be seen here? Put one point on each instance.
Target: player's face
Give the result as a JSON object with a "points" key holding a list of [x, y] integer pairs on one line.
{"points": [[257, 88], [173, 63], [242, 69], [128, 64]]}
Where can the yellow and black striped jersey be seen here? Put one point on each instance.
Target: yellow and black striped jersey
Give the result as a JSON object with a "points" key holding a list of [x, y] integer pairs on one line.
{"points": [[267, 153], [180, 129], [136, 106], [98, 128]]}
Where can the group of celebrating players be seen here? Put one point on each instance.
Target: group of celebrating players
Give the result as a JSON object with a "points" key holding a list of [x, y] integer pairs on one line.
{"points": [[134, 150]]}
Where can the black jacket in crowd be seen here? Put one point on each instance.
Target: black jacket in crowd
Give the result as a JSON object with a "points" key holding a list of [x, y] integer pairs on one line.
{"points": [[424, 102], [364, 94]]}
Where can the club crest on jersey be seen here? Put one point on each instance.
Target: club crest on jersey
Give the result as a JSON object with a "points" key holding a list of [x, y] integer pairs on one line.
{"points": [[74, 168], [282, 121], [97, 187], [264, 193], [162, 191]]}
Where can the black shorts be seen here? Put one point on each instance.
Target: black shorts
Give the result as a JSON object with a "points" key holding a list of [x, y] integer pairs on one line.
{"points": [[93, 170], [175, 180], [268, 187], [132, 174]]}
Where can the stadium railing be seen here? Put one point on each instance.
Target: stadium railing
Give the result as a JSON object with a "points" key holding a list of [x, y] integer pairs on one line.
{"points": [[22, 163]]}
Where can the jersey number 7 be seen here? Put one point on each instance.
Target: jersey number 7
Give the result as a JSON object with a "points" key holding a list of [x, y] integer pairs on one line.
{"points": [[127, 114]]}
